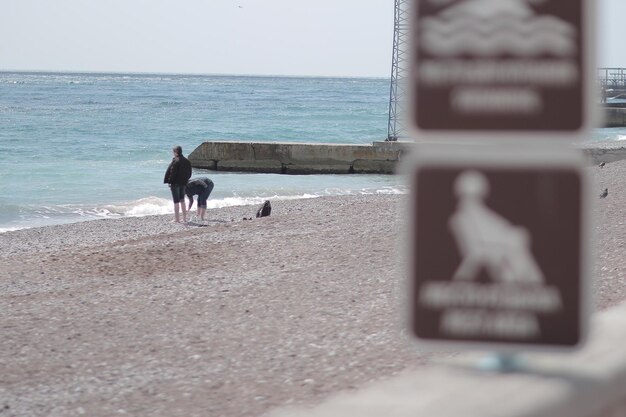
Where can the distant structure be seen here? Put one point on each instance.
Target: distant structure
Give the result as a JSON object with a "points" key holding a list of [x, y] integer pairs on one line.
{"points": [[612, 77], [612, 83], [395, 127]]}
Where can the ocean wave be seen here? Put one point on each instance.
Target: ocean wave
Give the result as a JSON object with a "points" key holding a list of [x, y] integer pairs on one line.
{"points": [[170, 103], [153, 162], [151, 206], [337, 191], [143, 207], [67, 213], [383, 191], [621, 137], [246, 201], [393, 191]]}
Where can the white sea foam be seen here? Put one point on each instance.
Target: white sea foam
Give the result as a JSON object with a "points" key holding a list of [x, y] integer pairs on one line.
{"points": [[154, 162], [337, 191], [245, 201], [156, 206], [393, 191], [385, 191], [151, 206], [143, 207], [621, 137], [10, 229]]}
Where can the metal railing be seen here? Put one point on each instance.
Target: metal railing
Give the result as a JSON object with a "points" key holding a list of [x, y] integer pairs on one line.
{"points": [[611, 77]]}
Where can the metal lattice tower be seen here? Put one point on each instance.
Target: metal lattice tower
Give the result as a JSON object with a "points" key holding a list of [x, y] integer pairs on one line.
{"points": [[395, 127]]}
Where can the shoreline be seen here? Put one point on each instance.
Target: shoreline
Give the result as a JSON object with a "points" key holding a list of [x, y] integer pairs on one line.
{"points": [[159, 205], [110, 229], [145, 317], [153, 204]]}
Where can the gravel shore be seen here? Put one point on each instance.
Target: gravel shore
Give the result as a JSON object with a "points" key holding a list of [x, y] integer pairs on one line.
{"points": [[143, 317]]}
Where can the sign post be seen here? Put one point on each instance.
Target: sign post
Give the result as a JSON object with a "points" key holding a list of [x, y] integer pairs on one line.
{"points": [[499, 233], [502, 68], [499, 251]]}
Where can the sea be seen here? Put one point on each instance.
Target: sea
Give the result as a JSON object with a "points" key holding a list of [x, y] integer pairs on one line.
{"points": [[78, 147], [86, 146]]}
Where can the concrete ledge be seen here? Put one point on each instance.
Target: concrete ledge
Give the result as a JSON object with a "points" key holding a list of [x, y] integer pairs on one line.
{"points": [[307, 158], [246, 166], [328, 167], [362, 166], [614, 116], [588, 383], [297, 158]]}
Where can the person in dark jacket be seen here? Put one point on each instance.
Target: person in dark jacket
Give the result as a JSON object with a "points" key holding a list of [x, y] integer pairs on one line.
{"points": [[201, 187], [177, 175]]}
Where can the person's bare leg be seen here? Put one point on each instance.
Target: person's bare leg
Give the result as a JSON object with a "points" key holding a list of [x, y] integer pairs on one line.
{"points": [[201, 212], [182, 206], [176, 213]]}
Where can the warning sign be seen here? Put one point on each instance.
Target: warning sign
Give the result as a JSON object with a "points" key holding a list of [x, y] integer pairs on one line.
{"points": [[497, 254], [499, 65]]}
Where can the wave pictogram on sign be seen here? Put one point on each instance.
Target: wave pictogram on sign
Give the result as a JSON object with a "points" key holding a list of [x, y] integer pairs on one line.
{"points": [[494, 27]]}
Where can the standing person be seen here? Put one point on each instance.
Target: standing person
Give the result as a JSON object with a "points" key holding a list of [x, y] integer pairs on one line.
{"points": [[177, 175], [201, 187]]}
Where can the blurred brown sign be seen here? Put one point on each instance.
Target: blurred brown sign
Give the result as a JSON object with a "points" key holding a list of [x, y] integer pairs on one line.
{"points": [[497, 255], [498, 65]]}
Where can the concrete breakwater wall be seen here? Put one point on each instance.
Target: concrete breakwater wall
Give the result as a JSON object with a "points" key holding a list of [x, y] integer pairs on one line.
{"points": [[298, 158], [306, 158], [614, 116]]}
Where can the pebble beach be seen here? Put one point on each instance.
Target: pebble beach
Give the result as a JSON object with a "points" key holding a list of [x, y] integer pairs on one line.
{"points": [[228, 317]]}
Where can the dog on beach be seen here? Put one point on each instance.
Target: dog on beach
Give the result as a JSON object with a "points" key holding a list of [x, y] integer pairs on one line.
{"points": [[265, 210]]}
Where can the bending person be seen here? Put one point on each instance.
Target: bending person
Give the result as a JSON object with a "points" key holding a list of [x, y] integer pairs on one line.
{"points": [[201, 187]]}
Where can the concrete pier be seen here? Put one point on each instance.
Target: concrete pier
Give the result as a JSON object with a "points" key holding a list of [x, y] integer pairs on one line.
{"points": [[614, 116], [308, 158], [298, 158]]}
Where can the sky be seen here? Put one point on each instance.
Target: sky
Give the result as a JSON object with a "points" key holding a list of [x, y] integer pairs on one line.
{"points": [[260, 37], [270, 37], [611, 32]]}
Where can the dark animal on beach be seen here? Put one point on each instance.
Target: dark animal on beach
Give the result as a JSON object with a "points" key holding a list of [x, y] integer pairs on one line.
{"points": [[602, 164], [265, 210], [604, 193]]}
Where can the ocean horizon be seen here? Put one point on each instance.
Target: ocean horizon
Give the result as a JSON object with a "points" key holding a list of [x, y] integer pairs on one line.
{"points": [[183, 74], [80, 146]]}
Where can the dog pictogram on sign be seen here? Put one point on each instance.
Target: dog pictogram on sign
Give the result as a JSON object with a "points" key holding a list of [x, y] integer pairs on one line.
{"points": [[487, 240], [496, 255]]}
